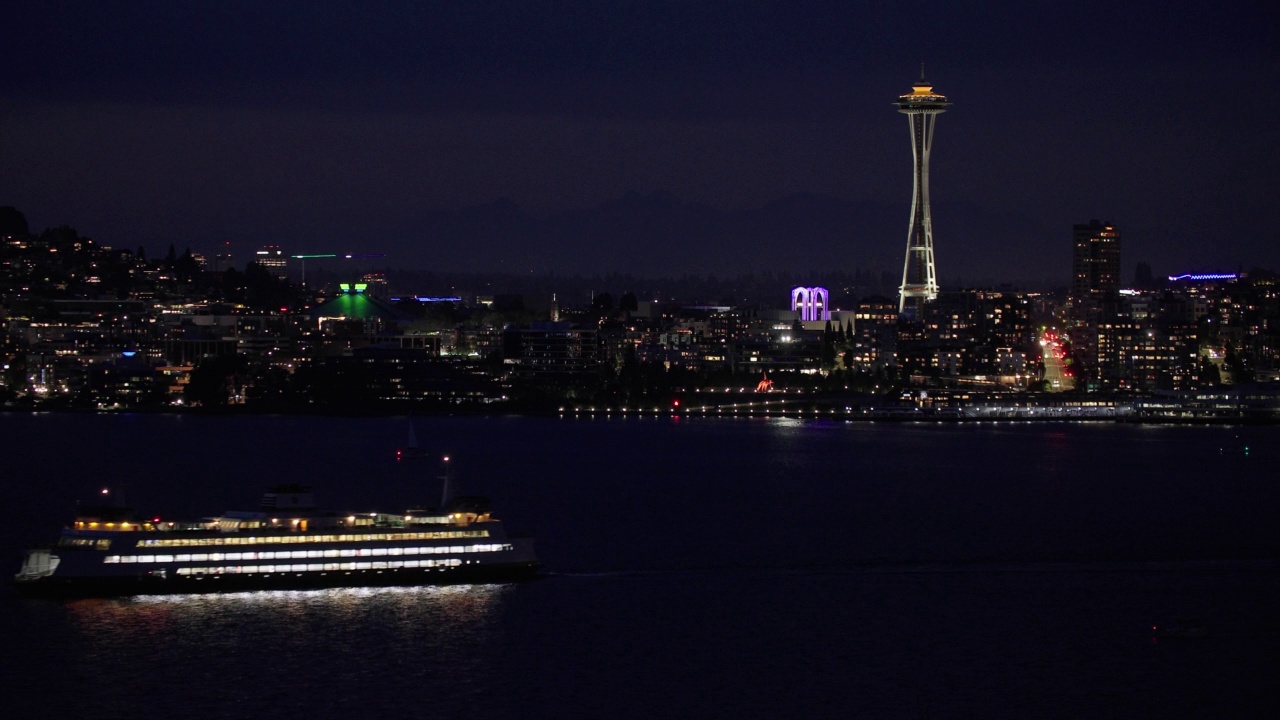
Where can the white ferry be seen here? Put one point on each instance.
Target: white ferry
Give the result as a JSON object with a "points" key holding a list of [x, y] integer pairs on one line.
{"points": [[286, 544]]}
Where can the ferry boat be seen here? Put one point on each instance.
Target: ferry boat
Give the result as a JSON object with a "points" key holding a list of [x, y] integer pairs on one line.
{"points": [[286, 544]]}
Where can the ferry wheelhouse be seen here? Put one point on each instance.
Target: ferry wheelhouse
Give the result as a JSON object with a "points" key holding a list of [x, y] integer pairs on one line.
{"points": [[286, 544]]}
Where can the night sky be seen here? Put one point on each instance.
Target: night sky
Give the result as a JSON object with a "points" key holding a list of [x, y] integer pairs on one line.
{"points": [[647, 137]]}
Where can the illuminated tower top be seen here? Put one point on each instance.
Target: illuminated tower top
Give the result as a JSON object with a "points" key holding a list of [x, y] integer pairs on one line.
{"points": [[922, 98]]}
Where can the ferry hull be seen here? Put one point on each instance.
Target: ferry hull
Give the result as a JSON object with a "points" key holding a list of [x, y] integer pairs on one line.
{"points": [[79, 587]]}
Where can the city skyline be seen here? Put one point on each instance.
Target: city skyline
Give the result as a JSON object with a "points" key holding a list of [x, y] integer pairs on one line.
{"points": [[652, 140]]}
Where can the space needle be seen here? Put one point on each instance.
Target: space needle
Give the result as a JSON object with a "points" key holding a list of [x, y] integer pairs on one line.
{"points": [[919, 278]]}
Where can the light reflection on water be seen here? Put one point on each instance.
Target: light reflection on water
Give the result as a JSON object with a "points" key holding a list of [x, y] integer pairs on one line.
{"points": [[439, 611], [371, 646]]}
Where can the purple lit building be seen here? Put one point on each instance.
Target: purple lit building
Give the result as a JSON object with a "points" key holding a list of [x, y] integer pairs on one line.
{"points": [[812, 303]]}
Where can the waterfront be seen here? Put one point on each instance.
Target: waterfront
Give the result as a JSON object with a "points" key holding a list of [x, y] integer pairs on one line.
{"points": [[758, 567]]}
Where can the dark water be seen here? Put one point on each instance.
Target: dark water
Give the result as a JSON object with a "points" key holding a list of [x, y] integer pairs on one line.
{"points": [[696, 568]]}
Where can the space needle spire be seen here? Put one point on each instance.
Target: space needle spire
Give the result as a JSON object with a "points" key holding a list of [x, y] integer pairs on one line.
{"points": [[919, 277]]}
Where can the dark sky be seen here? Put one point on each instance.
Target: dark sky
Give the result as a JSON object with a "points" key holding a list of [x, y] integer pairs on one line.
{"points": [[398, 127]]}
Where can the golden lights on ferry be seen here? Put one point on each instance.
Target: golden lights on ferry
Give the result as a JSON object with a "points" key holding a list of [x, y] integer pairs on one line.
{"points": [[120, 526]]}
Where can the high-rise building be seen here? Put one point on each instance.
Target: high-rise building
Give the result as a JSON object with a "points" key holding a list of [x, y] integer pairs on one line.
{"points": [[1095, 285], [273, 259], [222, 260], [1095, 261], [919, 278], [376, 284]]}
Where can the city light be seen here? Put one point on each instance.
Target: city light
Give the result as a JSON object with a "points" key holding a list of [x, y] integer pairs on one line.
{"points": [[1204, 276]]}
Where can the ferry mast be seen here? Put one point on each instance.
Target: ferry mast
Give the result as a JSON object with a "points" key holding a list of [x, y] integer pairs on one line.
{"points": [[919, 278]]}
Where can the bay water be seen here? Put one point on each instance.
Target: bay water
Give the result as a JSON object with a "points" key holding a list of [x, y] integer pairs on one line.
{"points": [[694, 567]]}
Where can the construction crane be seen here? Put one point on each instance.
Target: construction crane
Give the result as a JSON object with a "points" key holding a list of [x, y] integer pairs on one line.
{"points": [[302, 259]]}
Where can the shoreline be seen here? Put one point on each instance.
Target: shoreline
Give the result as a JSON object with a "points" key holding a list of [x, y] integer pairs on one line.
{"points": [[948, 415]]}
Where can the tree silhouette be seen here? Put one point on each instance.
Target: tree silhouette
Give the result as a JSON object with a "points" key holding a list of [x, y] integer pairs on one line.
{"points": [[214, 379], [13, 222]]}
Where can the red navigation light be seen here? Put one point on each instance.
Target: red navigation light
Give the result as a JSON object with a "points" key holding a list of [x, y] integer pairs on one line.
{"points": [[675, 403]]}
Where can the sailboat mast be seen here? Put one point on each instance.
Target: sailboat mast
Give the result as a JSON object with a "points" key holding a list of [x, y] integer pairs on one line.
{"points": [[444, 492]]}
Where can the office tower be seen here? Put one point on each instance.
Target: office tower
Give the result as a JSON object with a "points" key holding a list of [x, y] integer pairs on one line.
{"points": [[1095, 261], [919, 278], [273, 259]]}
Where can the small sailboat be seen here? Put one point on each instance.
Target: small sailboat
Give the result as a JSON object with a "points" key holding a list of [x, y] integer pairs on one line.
{"points": [[412, 449]]}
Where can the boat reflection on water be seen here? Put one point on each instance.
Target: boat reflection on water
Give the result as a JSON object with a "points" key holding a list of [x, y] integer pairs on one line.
{"points": [[428, 614]]}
